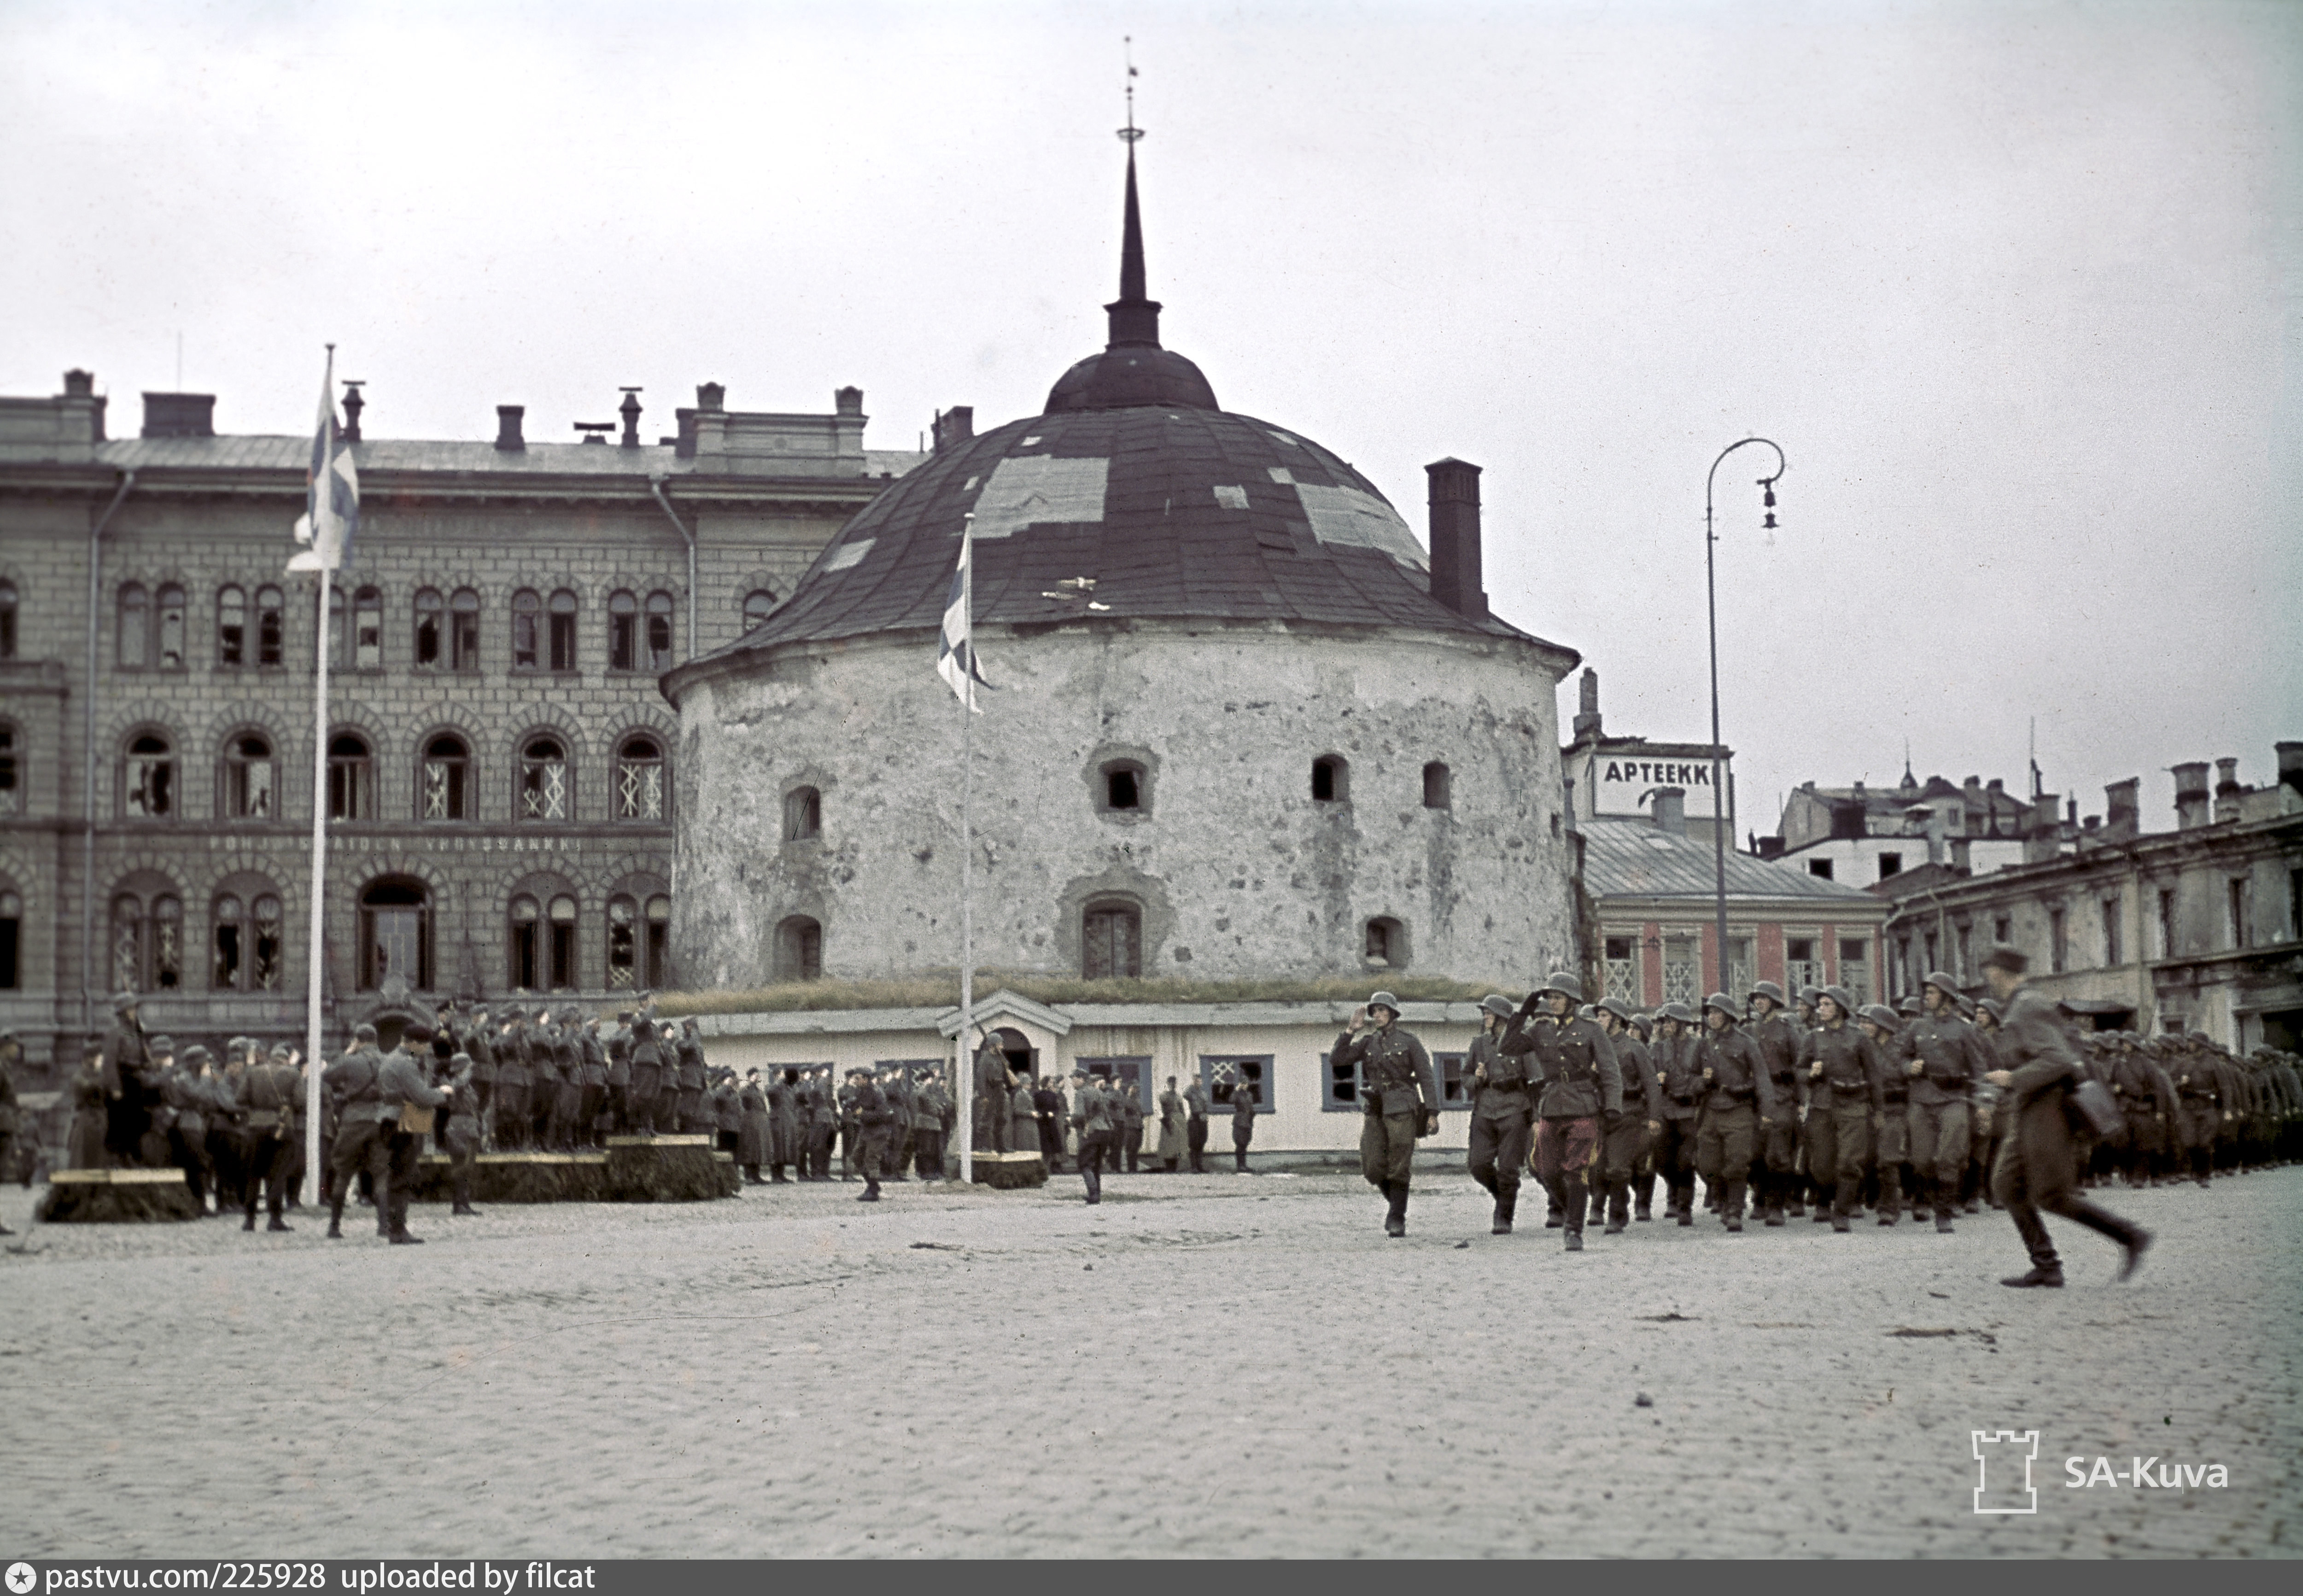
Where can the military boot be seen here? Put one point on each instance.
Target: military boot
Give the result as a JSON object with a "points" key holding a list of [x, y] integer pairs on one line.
{"points": [[1619, 1209], [1507, 1206], [336, 1218], [2050, 1274], [1891, 1196], [1394, 1223], [279, 1224], [871, 1192], [1577, 1197]]}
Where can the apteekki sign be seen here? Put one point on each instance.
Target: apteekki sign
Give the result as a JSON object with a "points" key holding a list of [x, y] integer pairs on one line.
{"points": [[1618, 784]]}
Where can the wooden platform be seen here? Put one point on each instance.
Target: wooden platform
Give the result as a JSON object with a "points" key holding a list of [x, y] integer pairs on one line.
{"points": [[1010, 1171], [631, 1170], [117, 1197]]}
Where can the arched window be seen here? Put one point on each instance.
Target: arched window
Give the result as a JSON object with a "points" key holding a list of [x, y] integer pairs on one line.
{"points": [[1112, 942], [135, 626], [352, 777], [442, 783], [526, 615], [659, 632], [245, 786], [170, 656], [464, 631], [563, 631], [270, 630], [562, 916], [127, 943], [225, 967], [799, 950], [1436, 786], [148, 778], [543, 781], [368, 629], [757, 603], [640, 791], [525, 928], [623, 943], [1385, 946], [431, 617], [395, 932], [11, 798], [659, 942], [1331, 780], [7, 619], [803, 815], [231, 627], [623, 630], [167, 943], [12, 940], [264, 962]]}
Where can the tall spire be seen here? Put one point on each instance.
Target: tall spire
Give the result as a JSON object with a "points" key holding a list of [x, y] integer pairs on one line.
{"points": [[1134, 318]]}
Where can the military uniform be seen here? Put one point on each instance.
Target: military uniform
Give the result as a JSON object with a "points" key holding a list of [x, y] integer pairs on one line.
{"points": [[128, 1111], [355, 1081], [823, 1126], [1843, 1099], [1579, 1084], [1195, 1126], [1243, 1124], [267, 1094], [91, 1109], [1776, 1178], [1739, 1101], [1891, 1144], [513, 1080], [1625, 1151], [461, 1135], [1679, 1081], [1091, 1117], [874, 1123], [1399, 1102], [1945, 1061], [1503, 1113], [988, 1108], [687, 1050], [400, 1086]]}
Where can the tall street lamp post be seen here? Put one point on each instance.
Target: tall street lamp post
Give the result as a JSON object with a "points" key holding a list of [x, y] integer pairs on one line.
{"points": [[1711, 604]]}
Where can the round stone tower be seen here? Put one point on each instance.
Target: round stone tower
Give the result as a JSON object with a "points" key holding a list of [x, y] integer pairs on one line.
{"points": [[1240, 727]]}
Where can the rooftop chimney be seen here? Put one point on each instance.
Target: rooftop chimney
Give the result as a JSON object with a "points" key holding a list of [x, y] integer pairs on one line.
{"points": [[1936, 824], [1456, 537], [2190, 795], [2290, 764], [711, 396], [1670, 811], [952, 427], [1587, 706], [179, 415], [2228, 790], [848, 401], [80, 385], [353, 405], [2122, 810], [508, 435], [2043, 838], [630, 411]]}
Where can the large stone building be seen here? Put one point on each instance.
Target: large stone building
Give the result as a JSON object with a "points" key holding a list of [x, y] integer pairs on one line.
{"points": [[499, 763], [2198, 928], [1860, 836], [1242, 729]]}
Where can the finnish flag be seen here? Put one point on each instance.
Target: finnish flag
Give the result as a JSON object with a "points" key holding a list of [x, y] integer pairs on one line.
{"points": [[956, 660], [331, 490]]}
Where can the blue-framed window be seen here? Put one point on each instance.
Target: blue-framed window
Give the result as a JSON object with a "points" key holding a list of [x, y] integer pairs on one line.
{"points": [[1222, 1073]]}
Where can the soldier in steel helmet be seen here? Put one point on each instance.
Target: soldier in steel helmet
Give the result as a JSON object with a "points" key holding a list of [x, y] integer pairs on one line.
{"points": [[1583, 1088], [1890, 1131], [1631, 1133], [1945, 1061], [1739, 1106], [1680, 1081], [1501, 1109], [1775, 1179], [1399, 1099], [1843, 1103]]}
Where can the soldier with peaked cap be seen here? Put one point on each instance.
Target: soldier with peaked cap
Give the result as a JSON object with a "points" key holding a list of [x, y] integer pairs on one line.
{"points": [[1628, 1138], [2035, 1168], [1739, 1106], [268, 1092], [1399, 1099], [1775, 1179], [1582, 1089], [1945, 1061], [1843, 1103], [362, 1136], [1502, 1110]]}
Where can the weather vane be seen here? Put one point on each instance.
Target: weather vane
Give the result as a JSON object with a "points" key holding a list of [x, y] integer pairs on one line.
{"points": [[1131, 132]]}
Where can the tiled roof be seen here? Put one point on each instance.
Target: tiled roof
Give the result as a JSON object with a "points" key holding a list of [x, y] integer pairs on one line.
{"points": [[1170, 511], [1635, 858]]}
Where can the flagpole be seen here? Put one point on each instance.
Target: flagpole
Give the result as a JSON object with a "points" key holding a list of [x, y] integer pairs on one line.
{"points": [[967, 866], [322, 493]]}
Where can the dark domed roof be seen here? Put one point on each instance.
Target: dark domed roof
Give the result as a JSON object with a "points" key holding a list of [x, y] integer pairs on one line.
{"points": [[1131, 497]]}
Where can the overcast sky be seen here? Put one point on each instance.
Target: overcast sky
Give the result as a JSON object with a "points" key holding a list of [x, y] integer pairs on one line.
{"points": [[2013, 285]]}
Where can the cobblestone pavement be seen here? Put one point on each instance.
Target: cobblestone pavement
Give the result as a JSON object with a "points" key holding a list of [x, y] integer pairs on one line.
{"points": [[1202, 1366]]}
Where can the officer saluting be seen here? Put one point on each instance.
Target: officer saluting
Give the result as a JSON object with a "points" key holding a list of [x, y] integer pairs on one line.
{"points": [[1399, 1099], [1500, 1110]]}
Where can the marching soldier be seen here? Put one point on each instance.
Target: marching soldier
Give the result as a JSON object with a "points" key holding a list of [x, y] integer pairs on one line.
{"points": [[1945, 1062], [1502, 1110], [1890, 1131], [1739, 1106], [1843, 1102], [1399, 1099], [2036, 1170], [1776, 1178], [1680, 1083], [1629, 1137], [1581, 1085]]}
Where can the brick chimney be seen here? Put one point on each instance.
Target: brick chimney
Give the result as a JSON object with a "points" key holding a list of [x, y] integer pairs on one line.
{"points": [[631, 412], [952, 427], [179, 415], [2290, 764], [711, 396], [1670, 811], [1456, 537], [507, 432], [1587, 706], [2122, 810], [2190, 795], [2228, 790], [2043, 837], [848, 401]]}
